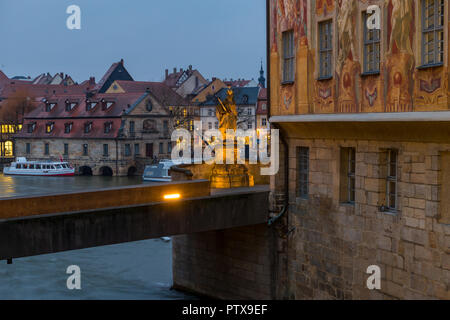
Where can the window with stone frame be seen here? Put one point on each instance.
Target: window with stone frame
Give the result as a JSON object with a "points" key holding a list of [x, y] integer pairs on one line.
{"points": [[288, 56], [85, 149], [325, 49], [372, 48], [303, 172], [389, 174], [347, 175], [432, 12]]}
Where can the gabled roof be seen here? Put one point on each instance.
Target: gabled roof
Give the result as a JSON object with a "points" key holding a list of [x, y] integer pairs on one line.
{"points": [[159, 90], [117, 71], [242, 96], [3, 77]]}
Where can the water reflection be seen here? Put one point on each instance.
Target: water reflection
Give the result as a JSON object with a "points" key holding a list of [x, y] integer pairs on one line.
{"points": [[137, 270], [12, 186]]}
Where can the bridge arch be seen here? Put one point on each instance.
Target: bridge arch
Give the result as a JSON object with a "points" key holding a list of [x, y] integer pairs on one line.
{"points": [[85, 171], [106, 171], [132, 171]]}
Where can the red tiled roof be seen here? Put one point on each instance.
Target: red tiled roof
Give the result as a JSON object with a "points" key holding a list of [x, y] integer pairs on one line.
{"points": [[121, 102], [14, 87], [78, 125], [163, 93]]}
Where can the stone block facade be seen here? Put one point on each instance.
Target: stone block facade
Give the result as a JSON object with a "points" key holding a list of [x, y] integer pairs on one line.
{"points": [[334, 243], [226, 264]]}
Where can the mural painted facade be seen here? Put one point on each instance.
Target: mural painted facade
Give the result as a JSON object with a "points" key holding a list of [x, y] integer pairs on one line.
{"points": [[399, 85]]}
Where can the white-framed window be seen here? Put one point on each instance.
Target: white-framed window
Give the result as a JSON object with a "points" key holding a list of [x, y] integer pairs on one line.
{"points": [[432, 32]]}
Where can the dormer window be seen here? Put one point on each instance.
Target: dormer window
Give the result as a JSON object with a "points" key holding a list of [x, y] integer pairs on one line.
{"points": [[106, 104], [245, 99], [68, 127], [31, 127], [49, 127], [49, 106], [70, 105], [87, 127], [90, 105], [108, 127]]}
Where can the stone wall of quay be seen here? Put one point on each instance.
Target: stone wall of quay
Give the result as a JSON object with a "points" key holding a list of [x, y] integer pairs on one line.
{"points": [[334, 243]]}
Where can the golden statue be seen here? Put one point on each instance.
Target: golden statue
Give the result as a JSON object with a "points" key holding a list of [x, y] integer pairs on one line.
{"points": [[229, 175], [227, 114]]}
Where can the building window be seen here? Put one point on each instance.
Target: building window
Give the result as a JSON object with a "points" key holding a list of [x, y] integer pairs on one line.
{"points": [[68, 127], [209, 125], [66, 149], [371, 48], [263, 122], [70, 105], [137, 149], [85, 149], [46, 149], [432, 32], [347, 175], [87, 127], [108, 127], [288, 56], [302, 172], [169, 147], [249, 125], [49, 127], [7, 149], [132, 132], [28, 148], [166, 127], [49, 106], [391, 181], [325, 49], [161, 148], [90, 105], [105, 150], [31, 127], [127, 150], [216, 125]]}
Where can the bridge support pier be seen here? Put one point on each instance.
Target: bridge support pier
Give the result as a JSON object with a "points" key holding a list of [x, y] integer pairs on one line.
{"points": [[236, 263]]}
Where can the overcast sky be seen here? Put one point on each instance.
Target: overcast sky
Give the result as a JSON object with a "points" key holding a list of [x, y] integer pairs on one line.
{"points": [[221, 38]]}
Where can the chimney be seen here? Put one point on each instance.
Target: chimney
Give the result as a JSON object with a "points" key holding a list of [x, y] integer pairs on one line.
{"points": [[121, 61], [174, 70], [181, 69], [92, 81], [190, 67], [214, 79], [167, 73]]}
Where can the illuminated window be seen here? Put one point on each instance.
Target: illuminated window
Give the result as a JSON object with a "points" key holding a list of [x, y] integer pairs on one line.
{"points": [[8, 149], [49, 127]]}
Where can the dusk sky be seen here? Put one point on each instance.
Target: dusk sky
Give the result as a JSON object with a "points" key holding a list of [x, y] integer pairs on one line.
{"points": [[224, 39]]}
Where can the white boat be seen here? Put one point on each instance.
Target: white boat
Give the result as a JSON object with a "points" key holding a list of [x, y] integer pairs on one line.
{"points": [[159, 172], [22, 167]]}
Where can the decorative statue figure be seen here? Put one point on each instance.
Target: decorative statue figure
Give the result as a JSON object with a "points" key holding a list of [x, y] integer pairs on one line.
{"points": [[346, 31], [226, 112], [401, 19]]}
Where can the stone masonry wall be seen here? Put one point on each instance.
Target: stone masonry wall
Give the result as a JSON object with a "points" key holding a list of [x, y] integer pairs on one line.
{"points": [[334, 243], [226, 264]]}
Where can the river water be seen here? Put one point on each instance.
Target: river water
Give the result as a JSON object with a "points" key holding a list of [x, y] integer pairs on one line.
{"points": [[137, 270]]}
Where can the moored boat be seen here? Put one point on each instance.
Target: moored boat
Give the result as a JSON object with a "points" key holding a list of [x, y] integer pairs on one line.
{"points": [[159, 172], [23, 167]]}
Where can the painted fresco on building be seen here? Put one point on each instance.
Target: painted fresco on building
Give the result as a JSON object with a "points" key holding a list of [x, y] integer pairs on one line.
{"points": [[400, 84]]}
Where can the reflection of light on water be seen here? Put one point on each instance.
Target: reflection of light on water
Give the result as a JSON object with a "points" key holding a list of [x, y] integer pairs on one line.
{"points": [[11, 186], [7, 185]]}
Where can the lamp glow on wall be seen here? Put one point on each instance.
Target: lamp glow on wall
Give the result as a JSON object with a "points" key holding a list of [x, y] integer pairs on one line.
{"points": [[172, 196]]}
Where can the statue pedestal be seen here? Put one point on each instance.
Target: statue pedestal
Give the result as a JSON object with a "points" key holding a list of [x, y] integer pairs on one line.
{"points": [[224, 176]]}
